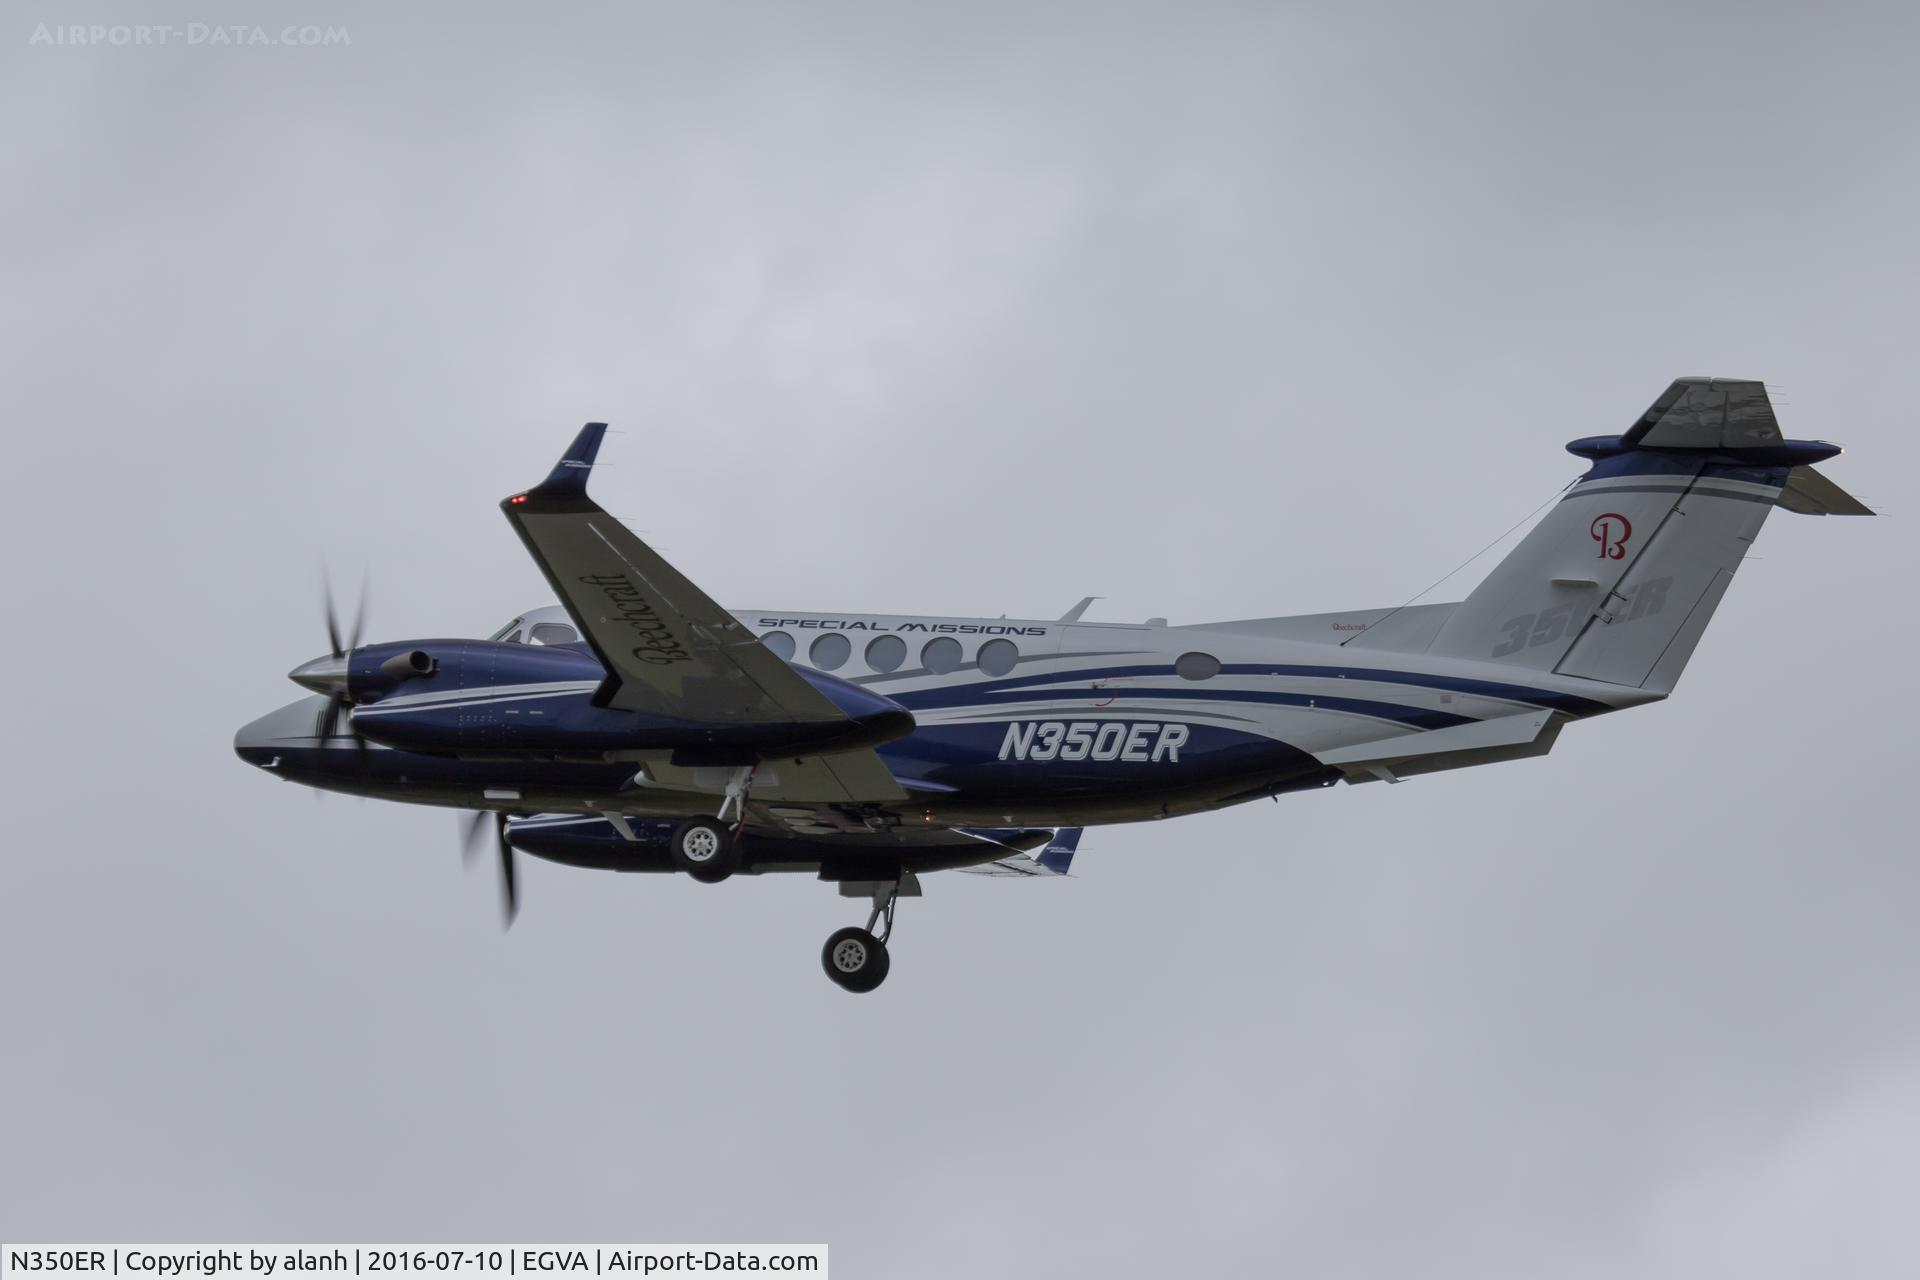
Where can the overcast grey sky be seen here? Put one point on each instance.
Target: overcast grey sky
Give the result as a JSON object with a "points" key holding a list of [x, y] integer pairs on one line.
{"points": [[1214, 310]]}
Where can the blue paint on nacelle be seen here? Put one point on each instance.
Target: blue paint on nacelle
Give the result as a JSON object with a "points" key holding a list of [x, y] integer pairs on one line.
{"points": [[464, 665], [483, 697]]}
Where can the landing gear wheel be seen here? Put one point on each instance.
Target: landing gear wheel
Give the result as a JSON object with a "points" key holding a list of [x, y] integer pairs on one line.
{"points": [[855, 959], [705, 850]]}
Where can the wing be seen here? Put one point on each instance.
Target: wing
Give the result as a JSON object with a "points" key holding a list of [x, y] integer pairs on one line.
{"points": [[668, 649]]}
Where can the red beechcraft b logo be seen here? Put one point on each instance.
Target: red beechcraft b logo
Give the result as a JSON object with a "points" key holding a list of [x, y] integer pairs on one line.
{"points": [[1611, 531]]}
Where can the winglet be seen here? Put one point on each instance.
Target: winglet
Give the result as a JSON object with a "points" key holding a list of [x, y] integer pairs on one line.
{"points": [[1058, 855], [568, 479], [569, 475]]}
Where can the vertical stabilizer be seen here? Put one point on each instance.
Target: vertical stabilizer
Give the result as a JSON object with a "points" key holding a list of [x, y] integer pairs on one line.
{"points": [[1618, 581]]}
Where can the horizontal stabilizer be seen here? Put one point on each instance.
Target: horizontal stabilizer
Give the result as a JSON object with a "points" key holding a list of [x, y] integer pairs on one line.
{"points": [[1456, 747], [1708, 413], [1809, 493]]}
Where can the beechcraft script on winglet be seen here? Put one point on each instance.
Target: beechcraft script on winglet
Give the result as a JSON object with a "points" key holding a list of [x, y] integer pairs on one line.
{"points": [[639, 726]]}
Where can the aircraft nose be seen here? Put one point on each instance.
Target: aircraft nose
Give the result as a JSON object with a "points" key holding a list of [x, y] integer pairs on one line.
{"points": [[267, 741], [322, 675]]}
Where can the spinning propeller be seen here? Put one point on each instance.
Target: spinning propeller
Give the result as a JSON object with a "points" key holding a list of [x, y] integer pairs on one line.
{"points": [[470, 830], [328, 675]]}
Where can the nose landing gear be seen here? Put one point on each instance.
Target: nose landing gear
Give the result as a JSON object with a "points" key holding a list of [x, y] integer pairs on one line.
{"points": [[857, 958]]}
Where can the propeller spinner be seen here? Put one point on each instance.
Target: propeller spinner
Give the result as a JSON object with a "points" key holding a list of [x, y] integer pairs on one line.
{"points": [[328, 675]]}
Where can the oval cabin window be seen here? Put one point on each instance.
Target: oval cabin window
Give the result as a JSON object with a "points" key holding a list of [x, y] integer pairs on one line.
{"points": [[886, 653], [941, 655], [830, 651], [1197, 666], [997, 657]]}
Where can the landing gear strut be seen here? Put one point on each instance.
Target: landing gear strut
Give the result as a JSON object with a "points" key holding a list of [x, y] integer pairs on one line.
{"points": [[739, 782], [856, 958]]}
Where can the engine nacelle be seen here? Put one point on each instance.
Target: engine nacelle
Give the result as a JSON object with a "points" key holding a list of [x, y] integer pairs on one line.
{"points": [[481, 698]]}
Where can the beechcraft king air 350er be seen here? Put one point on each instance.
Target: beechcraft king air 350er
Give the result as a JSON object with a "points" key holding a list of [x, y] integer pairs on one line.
{"points": [[639, 726]]}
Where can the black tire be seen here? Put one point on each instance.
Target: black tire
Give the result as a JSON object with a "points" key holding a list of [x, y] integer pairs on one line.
{"points": [[705, 850], [855, 959]]}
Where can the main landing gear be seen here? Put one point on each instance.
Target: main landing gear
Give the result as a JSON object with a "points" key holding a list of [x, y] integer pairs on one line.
{"points": [[707, 848], [857, 958]]}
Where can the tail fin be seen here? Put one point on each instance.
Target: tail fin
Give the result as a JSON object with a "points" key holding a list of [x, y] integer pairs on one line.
{"points": [[1618, 581]]}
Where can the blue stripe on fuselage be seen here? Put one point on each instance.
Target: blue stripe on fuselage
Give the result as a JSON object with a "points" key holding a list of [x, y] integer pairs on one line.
{"points": [[965, 694], [1418, 717]]}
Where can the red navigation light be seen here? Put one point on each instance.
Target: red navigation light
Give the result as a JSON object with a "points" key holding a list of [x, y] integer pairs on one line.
{"points": [[517, 499]]}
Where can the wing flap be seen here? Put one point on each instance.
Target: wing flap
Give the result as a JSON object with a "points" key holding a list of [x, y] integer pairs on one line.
{"points": [[1017, 865], [845, 777]]}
